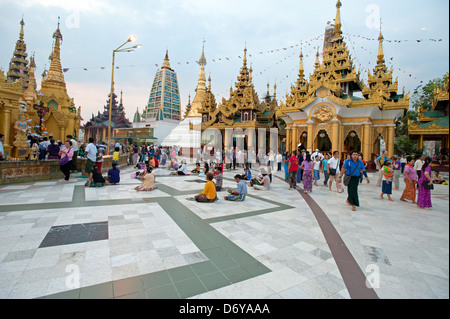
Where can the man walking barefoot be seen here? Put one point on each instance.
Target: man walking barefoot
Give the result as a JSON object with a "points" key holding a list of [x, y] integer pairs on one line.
{"points": [[355, 167]]}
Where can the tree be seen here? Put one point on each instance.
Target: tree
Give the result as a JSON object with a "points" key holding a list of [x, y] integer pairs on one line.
{"points": [[404, 146]]}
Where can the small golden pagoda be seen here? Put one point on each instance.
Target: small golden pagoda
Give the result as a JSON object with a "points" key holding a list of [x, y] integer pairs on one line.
{"points": [[62, 117], [335, 110], [433, 125], [242, 111]]}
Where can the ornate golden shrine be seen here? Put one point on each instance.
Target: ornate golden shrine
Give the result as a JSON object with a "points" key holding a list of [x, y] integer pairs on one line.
{"points": [[433, 125], [327, 103], [62, 117], [243, 110]]}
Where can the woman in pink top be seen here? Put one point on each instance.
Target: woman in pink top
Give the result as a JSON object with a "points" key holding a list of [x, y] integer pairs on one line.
{"points": [[411, 180], [66, 151], [307, 173]]}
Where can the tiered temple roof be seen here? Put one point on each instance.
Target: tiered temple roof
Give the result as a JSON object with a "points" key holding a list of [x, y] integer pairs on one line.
{"points": [[243, 108], [18, 67], [118, 119], [337, 74]]}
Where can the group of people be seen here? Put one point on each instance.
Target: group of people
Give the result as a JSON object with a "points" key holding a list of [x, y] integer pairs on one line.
{"points": [[420, 181], [301, 166]]}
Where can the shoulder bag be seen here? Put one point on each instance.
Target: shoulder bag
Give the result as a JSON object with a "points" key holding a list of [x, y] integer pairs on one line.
{"points": [[64, 160], [348, 178], [333, 171]]}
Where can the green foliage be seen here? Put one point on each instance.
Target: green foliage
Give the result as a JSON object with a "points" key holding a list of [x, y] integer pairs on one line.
{"points": [[404, 146]]}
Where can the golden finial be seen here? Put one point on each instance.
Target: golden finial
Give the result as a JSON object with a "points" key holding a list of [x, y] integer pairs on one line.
{"points": [[317, 64], [22, 23], [275, 90], [337, 21], [301, 70], [245, 55], [166, 63]]}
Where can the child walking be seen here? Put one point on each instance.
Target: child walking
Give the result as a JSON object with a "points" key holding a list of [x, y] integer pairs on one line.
{"points": [[387, 181], [317, 164]]}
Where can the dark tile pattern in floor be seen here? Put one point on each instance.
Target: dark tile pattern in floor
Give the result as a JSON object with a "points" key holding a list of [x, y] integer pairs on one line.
{"points": [[74, 234]]}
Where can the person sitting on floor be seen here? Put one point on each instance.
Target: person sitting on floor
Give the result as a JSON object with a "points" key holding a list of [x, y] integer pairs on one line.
{"points": [[95, 178], [196, 170], [113, 175], [148, 183], [240, 193], [182, 170], [262, 183], [209, 194], [438, 179]]}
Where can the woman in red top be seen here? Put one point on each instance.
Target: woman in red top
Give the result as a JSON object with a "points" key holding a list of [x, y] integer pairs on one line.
{"points": [[293, 167]]}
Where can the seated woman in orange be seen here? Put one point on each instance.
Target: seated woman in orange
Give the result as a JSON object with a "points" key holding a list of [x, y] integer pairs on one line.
{"points": [[209, 194]]}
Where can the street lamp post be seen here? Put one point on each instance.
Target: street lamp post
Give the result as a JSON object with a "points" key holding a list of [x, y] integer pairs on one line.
{"points": [[118, 50]]}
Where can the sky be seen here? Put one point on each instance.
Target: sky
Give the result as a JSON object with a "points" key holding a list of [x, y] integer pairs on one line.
{"points": [[274, 31]]}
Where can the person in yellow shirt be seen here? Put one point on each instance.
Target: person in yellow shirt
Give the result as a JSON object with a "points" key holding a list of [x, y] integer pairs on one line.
{"points": [[209, 194], [116, 156]]}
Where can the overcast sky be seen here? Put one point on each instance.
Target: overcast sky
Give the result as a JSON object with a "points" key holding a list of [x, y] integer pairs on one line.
{"points": [[273, 32]]}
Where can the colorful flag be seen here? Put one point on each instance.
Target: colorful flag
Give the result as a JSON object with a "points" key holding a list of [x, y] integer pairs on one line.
{"points": [[65, 70]]}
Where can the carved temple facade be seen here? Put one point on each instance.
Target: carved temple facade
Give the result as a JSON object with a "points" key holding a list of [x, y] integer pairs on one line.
{"points": [[335, 110], [50, 110]]}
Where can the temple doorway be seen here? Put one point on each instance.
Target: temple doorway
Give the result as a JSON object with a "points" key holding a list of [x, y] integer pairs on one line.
{"points": [[352, 143], [323, 141]]}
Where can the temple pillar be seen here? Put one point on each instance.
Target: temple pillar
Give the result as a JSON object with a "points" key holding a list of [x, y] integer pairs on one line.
{"points": [[288, 139], [294, 137], [6, 128], [390, 147], [420, 143], [335, 135], [366, 141], [310, 142], [341, 139], [251, 139], [62, 134]]}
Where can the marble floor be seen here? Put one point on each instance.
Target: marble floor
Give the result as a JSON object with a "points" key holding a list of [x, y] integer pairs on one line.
{"points": [[62, 240]]}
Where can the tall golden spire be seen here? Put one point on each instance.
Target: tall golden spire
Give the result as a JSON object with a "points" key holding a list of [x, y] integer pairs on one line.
{"points": [[22, 23], [55, 74], [201, 87], [301, 71], [337, 21], [380, 56], [18, 66], [245, 56]]}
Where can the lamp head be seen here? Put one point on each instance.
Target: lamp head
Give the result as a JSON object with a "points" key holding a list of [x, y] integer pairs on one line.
{"points": [[132, 38]]}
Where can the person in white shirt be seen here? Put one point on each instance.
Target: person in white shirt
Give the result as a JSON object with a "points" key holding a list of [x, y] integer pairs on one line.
{"points": [[279, 159], [334, 171], [418, 166], [317, 153], [91, 155]]}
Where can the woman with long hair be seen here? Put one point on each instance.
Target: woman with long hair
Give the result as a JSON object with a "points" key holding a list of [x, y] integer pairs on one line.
{"points": [[424, 195]]}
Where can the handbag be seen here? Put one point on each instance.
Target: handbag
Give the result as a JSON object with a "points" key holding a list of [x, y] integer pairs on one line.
{"points": [[348, 178], [427, 186], [64, 160]]}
